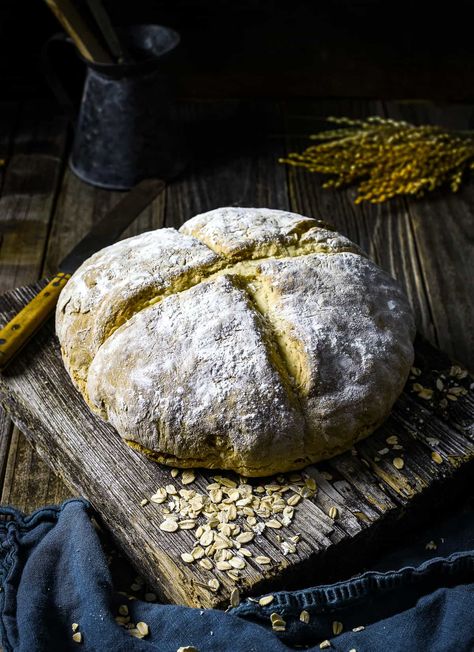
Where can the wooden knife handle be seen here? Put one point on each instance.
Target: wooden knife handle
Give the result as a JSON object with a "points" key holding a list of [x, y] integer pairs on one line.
{"points": [[23, 326]]}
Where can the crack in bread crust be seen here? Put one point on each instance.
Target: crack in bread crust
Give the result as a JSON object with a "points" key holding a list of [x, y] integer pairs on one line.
{"points": [[223, 266], [300, 242]]}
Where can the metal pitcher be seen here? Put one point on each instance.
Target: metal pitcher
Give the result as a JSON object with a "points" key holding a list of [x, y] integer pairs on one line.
{"points": [[123, 132]]}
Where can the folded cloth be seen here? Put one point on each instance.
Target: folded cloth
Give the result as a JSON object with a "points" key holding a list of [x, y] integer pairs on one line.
{"points": [[56, 584]]}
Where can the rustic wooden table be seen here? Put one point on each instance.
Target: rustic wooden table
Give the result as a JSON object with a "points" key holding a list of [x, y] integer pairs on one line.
{"points": [[44, 209]]}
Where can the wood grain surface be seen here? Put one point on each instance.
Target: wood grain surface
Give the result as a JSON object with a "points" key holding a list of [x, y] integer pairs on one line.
{"points": [[34, 139], [428, 245]]}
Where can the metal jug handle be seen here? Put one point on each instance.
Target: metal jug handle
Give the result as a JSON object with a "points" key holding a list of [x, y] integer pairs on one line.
{"points": [[52, 78]]}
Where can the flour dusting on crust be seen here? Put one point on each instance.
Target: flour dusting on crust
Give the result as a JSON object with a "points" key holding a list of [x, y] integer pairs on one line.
{"points": [[198, 369], [116, 282]]}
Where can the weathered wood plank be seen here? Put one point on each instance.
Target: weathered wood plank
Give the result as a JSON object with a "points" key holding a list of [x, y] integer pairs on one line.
{"points": [[30, 187], [443, 232], [370, 493], [31, 180], [8, 120], [6, 430]]}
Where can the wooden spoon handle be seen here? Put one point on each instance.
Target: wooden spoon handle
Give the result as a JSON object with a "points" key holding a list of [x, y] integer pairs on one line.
{"points": [[22, 327]]}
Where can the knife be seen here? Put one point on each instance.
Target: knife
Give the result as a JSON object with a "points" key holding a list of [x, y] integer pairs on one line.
{"points": [[24, 325]]}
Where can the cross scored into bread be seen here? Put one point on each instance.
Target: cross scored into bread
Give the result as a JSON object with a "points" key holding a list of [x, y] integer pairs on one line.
{"points": [[251, 339]]}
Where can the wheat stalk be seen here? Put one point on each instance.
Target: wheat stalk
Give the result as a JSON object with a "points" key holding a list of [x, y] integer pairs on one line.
{"points": [[387, 157]]}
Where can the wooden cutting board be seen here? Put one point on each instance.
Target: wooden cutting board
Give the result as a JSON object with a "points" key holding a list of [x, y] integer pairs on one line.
{"points": [[431, 429]]}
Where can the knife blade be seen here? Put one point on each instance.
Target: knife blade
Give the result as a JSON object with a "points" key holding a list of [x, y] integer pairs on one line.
{"points": [[19, 330]]}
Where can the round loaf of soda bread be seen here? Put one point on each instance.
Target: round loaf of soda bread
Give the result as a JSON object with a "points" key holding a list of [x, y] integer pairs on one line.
{"points": [[251, 339]]}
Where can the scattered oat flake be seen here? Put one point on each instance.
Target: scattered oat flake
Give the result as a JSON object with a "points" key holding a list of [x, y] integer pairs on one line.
{"points": [[237, 562], [431, 545], [277, 620], [436, 457], [144, 502], [273, 523], [143, 628], [77, 637], [187, 648], [293, 500], [383, 451], [324, 645], [198, 552], [234, 597], [205, 563], [360, 628], [74, 626], [416, 371], [393, 439], [174, 473], [159, 496], [245, 537], [337, 627], [333, 512], [288, 548], [214, 584], [223, 565], [304, 616], [261, 559], [398, 463], [187, 557], [206, 538], [267, 599], [123, 610], [425, 393], [169, 525], [188, 476], [458, 372]]}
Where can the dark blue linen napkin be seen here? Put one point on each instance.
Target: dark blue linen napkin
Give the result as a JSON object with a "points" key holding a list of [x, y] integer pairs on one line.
{"points": [[53, 573]]}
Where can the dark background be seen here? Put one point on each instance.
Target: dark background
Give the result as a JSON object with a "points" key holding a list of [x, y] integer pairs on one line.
{"points": [[276, 48]]}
